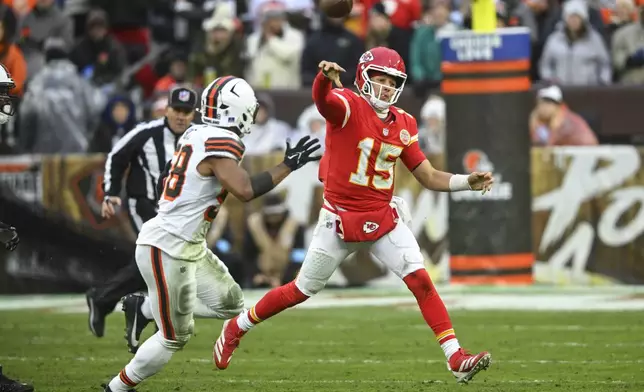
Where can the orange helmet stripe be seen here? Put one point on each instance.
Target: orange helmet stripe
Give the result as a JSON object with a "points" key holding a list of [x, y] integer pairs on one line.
{"points": [[212, 95]]}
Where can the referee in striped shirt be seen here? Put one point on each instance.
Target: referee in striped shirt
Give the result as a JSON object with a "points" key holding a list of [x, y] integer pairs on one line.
{"points": [[145, 150]]}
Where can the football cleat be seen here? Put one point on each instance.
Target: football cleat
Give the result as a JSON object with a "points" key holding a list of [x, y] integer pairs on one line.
{"points": [[97, 316], [135, 321], [464, 366], [227, 343], [9, 385], [108, 389]]}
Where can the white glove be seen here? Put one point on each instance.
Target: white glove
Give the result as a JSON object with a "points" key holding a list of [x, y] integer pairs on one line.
{"points": [[403, 209]]}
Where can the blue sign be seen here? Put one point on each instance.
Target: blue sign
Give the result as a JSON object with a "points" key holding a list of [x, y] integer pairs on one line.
{"points": [[505, 44]]}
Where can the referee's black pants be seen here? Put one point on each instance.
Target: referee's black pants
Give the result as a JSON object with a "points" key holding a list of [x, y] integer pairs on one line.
{"points": [[128, 279]]}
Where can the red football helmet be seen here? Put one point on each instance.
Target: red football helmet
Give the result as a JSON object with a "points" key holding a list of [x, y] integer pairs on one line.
{"points": [[380, 60]]}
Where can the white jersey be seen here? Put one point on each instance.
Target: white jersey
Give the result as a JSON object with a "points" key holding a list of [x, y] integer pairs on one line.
{"points": [[190, 201]]}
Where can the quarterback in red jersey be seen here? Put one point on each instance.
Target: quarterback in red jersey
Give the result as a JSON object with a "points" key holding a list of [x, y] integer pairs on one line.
{"points": [[366, 135]]}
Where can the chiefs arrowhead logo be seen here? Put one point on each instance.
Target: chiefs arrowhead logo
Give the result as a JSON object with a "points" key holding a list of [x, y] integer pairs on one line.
{"points": [[370, 227]]}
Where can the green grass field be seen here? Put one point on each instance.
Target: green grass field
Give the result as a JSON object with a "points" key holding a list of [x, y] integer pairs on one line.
{"points": [[344, 349]]}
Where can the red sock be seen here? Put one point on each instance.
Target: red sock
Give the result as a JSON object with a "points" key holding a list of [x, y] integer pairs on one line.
{"points": [[431, 305], [275, 301]]}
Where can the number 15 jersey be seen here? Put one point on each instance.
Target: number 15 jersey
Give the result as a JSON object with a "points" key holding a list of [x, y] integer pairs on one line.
{"points": [[359, 162], [190, 202]]}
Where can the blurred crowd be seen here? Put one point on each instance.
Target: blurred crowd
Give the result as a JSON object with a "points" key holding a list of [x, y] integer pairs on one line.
{"points": [[87, 70]]}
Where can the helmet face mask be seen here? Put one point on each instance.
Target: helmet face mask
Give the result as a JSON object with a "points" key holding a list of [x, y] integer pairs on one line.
{"points": [[376, 68], [229, 102]]}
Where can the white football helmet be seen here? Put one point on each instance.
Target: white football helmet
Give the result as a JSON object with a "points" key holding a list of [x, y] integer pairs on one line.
{"points": [[229, 102], [7, 102]]}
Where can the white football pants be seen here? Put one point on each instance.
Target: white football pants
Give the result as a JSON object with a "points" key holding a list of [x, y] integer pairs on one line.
{"points": [[398, 250], [179, 289]]}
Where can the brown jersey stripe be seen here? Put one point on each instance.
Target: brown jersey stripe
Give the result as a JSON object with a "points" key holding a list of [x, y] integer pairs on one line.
{"points": [[227, 149], [162, 292], [235, 147], [226, 140]]}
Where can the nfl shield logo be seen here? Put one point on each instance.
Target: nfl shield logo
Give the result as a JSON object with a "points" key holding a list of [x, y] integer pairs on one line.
{"points": [[184, 96], [385, 131]]}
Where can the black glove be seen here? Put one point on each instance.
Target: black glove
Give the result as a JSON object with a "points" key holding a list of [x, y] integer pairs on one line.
{"points": [[299, 155], [9, 236]]}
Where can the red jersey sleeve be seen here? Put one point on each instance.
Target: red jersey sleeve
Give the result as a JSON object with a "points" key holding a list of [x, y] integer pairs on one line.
{"points": [[412, 156], [332, 105]]}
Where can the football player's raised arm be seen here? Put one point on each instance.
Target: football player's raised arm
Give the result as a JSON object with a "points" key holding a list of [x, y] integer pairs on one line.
{"points": [[237, 181], [332, 106]]}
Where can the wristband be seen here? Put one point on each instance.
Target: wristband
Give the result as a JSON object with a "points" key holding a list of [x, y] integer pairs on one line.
{"points": [[458, 182]]}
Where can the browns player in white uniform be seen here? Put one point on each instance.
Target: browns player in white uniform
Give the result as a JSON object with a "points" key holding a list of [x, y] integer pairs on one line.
{"points": [[183, 276]]}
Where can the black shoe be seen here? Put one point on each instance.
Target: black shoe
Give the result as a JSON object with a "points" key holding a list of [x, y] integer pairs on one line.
{"points": [[135, 321], [97, 315], [9, 385], [108, 389]]}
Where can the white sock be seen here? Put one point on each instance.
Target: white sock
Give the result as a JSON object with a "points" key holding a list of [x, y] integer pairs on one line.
{"points": [[243, 321], [450, 347], [146, 309], [148, 361]]}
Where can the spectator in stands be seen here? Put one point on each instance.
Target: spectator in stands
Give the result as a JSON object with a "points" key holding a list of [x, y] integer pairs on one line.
{"points": [[159, 107], [60, 110], [552, 123], [575, 54], [268, 133], [273, 243], [382, 32], [402, 13], [10, 55], [222, 53], [425, 51], [311, 123], [77, 10], [628, 51], [98, 56], [541, 17], [275, 51], [21, 7], [297, 11], [177, 73], [622, 14], [129, 25], [188, 18], [44, 21], [431, 132], [128, 22], [118, 118], [333, 42]]}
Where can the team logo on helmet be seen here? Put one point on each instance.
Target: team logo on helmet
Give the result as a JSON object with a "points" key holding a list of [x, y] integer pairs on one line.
{"points": [[477, 161], [405, 137], [366, 56]]}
